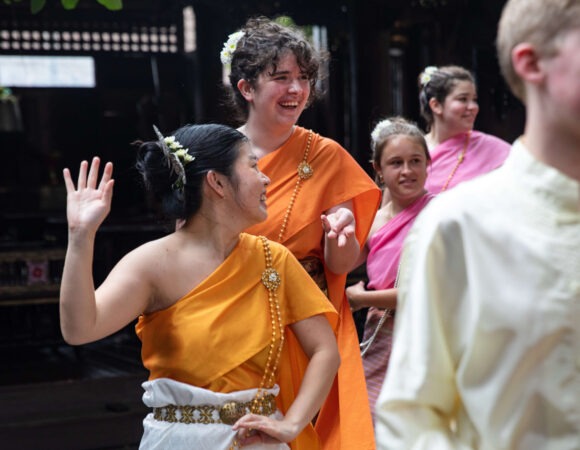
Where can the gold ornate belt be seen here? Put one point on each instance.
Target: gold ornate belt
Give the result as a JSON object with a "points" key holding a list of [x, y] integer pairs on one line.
{"points": [[315, 269], [228, 413]]}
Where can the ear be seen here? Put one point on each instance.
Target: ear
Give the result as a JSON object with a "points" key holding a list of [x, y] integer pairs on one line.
{"points": [[526, 63], [216, 182], [376, 167], [435, 106], [246, 89]]}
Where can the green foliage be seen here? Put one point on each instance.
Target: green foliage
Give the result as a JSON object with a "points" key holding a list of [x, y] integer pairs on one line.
{"points": [[112, 5], [285, 21], [69, 4], [37, 5]]}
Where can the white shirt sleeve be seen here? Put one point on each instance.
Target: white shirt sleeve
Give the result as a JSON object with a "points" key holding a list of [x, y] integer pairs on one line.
{"points": [[417, 405]]}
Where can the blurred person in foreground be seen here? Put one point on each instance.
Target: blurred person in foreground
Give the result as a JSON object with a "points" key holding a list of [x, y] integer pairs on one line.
{"points": [[487, 344]]}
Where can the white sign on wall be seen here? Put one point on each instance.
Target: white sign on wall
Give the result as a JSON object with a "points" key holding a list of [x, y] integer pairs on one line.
{"points": [[47, 71]]}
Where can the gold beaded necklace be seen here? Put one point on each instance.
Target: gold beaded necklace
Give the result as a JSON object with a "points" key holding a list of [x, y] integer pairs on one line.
{"points": [[305, 171], [460, 159], [271, 280]]}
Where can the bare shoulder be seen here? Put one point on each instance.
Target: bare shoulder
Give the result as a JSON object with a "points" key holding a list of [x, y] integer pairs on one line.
{"points": [[148, 254], [381, 218]]}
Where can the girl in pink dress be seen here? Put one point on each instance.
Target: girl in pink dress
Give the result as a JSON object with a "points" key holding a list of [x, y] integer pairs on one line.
{"points": [[400, 159], [448, 101]]}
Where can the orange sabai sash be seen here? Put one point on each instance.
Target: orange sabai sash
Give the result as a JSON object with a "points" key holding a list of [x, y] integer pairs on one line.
{"points": [[345, 420], [212, 337]]}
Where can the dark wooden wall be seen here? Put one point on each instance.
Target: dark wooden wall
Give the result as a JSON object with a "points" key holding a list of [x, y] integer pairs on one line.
{"points": [[377, 48]]}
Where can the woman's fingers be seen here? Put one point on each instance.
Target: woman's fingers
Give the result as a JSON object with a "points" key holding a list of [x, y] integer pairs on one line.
{"points": [[82, 180], [93, 173], [89, 181], [107, 174], [68, 182]]}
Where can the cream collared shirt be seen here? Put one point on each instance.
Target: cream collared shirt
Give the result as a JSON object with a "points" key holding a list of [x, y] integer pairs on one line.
{"points": [[487, 336]]}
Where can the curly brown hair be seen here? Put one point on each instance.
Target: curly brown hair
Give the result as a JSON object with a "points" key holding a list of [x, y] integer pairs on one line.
{"points": [[261, 47]]}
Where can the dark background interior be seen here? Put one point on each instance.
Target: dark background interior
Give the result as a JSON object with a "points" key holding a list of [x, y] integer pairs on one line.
{"points": [[57, 396]]}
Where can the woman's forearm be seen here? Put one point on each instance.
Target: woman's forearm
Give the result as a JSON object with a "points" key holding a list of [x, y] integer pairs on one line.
{"points": [[77, 289], [384, 298], [315, 386]]}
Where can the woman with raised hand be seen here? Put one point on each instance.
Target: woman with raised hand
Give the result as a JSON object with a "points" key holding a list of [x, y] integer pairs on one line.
{"points": [[448, 102], [400, 159], [214, 304], [321, 202]]}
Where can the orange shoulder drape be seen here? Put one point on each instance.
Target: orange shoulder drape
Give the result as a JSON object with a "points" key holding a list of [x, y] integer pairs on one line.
{"points": [[344, 422], [211, 338]]}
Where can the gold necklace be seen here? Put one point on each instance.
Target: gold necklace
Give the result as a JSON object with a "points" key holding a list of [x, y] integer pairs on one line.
{"points": [[305, 171], [271, 280], [460, 159]]}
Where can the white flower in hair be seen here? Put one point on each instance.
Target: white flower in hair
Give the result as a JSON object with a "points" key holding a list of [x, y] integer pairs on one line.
{"points": [[376, 134], [427, 73], [230, 45], [177, 157]]}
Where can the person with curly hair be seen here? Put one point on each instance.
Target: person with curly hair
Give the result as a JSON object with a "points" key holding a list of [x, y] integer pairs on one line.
{"points": [[321, 202]]}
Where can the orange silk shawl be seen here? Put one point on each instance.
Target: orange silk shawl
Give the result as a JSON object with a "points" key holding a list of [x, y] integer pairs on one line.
{"points": [[217, 336], [345, 420]]}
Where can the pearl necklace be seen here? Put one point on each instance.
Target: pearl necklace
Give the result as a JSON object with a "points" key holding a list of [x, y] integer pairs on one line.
{"points": [[305, 171], [460, 159]]}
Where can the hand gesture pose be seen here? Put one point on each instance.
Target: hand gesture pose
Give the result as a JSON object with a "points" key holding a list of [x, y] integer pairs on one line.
{"points": [[339, 225], [87, 204], [341, 247]]}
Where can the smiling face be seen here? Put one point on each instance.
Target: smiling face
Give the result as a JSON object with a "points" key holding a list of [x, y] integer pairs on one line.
{"points": [[403, 166], [280, 96], [248, 185], [458, 112]]}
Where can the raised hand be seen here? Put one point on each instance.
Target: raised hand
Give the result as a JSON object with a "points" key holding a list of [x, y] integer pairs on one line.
{"points": [[87, 204], [339, 225]]}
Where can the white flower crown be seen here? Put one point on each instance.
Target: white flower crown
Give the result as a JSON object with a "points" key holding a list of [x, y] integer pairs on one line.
{"points": [[230, 45], [427, 73]]}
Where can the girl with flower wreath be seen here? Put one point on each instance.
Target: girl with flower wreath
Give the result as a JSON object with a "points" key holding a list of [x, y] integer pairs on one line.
{"points": [[400, 159], [215, 305], [321, 203], [448, 102]]}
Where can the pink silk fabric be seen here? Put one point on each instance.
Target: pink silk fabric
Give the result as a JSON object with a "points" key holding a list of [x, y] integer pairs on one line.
{"points": [[484, 153], [385, 248], [386, 244]]}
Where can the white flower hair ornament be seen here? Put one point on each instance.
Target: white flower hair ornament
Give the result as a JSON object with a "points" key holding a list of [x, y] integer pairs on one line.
{"points": [[230, 45], [427, 74], [379, 127], [177, 157]]}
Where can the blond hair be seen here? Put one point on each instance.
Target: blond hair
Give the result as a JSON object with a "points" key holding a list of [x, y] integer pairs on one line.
{"points": [[541, 23]]}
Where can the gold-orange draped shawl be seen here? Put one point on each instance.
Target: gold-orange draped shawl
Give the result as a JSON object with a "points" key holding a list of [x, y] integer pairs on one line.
{"points": [[344, 422], [218, 335]]}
